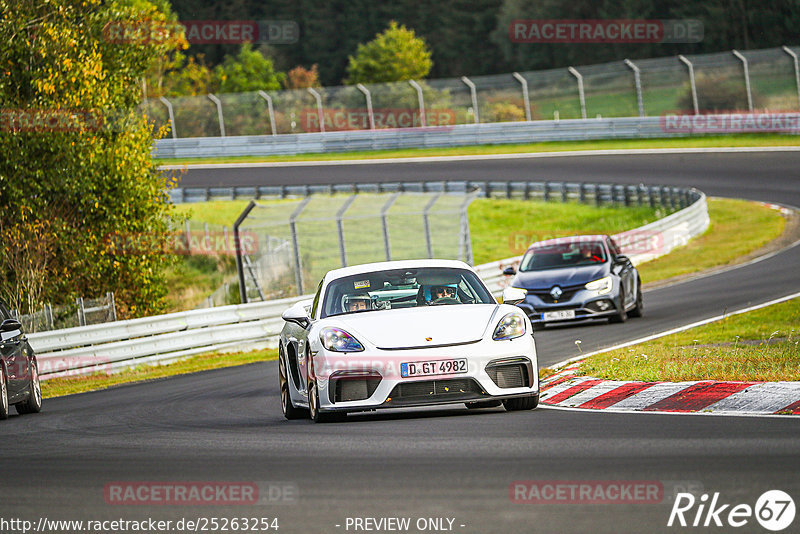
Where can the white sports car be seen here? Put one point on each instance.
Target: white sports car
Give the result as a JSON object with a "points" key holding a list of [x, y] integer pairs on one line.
{"points": [[405, 333]]}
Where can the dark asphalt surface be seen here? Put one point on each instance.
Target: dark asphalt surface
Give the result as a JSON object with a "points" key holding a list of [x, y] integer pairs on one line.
{"points": [[226, 425]]}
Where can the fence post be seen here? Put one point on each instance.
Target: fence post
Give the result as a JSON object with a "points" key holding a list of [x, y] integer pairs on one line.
{"points": [[112, 305], [238, 250], [320, 114], [172, 115], [525, 96], [691, 83], [361, 87], [48, 315], [386, 244], [217, 102], [581, 94], [796, 71], [465, 248], [188, 234], [746, 78], [426, 224], [474, 95], [421, 101], [340, 228], [298, 268], [637, 80], [81, 312], [271, 111]]}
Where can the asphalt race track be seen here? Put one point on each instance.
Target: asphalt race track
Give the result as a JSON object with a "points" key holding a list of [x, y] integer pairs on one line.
{"points": [[226, 425]]}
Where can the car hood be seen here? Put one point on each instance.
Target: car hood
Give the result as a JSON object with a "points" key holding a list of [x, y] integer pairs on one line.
{"points": [[407, 328], [568, 276]]}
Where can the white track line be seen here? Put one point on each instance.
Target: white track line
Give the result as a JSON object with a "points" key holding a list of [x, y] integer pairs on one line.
{"points": [[478, 157]]}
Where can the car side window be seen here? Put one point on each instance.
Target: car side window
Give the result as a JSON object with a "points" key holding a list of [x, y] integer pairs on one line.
{"points": [[315, 305]]}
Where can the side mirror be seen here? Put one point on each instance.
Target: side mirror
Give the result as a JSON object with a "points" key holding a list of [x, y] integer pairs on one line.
{"points": [[513, 295], [297, 314], [622, 259], [10, 328], [509, 271]]}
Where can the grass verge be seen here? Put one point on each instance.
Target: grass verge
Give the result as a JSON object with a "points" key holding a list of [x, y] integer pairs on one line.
{"points": [[738, 228], [762, 345], [203, 362], [757, 140]]}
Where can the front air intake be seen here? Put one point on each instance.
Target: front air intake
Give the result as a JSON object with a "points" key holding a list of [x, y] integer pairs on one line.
{"points": [[514, 373]]}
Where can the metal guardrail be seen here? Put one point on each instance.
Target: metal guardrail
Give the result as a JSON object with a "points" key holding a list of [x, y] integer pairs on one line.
{"points": [[166, 338], [459, 135]]}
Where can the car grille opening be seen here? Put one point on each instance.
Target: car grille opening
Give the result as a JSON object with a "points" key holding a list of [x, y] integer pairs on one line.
{"points": [[435, 390], [353, 388], [512, 374]]}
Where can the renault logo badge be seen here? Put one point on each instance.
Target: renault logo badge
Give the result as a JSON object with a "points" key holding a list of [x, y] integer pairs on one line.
{"points": [[556, 292]]}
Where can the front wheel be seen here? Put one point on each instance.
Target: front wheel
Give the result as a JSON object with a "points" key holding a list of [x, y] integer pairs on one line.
{"points": [[638, 310], [313, 408], [622, 316], [3, 395], [521, 403], [33, 404], [289, 411]]}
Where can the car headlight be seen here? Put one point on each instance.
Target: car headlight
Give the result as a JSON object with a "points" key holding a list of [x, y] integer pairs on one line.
{"points": [[509, 327], [337, 340], [520, 288], [602, 285]]}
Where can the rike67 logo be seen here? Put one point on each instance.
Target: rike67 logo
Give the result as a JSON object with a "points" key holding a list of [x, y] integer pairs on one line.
{"points": [[774, 510]]}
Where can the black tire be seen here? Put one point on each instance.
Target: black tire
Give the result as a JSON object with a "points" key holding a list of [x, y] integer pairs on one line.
{"points": [[3, 394], [313, 408], [33, 404], [521, 403], [622, 315], [638, 310], [482, 404], [289, 411]]}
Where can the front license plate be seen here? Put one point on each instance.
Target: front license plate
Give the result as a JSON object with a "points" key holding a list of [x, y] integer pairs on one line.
{"points": [[558, 315], [435, 367]]}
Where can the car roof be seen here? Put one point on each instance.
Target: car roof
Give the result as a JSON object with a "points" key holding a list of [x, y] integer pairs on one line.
{"points": [[593, 238], [390, 265]]}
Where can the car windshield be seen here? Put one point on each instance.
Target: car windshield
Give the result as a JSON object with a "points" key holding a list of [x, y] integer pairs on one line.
{"points": [[561, 255], [404, 288]]}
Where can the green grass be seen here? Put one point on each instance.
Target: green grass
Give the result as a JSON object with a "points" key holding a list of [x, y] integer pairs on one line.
{"points": [[738, 227], [762, 345], [66, 386], [555, 146]]}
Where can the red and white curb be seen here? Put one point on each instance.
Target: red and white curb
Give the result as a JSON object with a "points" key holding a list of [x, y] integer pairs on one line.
{"points": [[565, 390]]}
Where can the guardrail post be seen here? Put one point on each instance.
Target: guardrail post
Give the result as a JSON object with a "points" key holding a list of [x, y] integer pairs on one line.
{"points": [[368, 97], [564, 192], [465, 240], [48, 315], [688, 63], [386, 243], [340, 228], [172, 116], [793, 55], [320, 114], [488, 190], [639, 195], [637, 80], [746, 78], [546, 192], [271, 111], [626, 194], [598, 195], [525, 96], [425, 212], [474, 95], [582, 192], [578, 76], [218, 103], [421, 102], [112, 306]]}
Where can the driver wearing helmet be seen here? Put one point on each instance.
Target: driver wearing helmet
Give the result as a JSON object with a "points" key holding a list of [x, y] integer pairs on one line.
{"points": [[440, 292], [356, 302], [589, 253]]}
